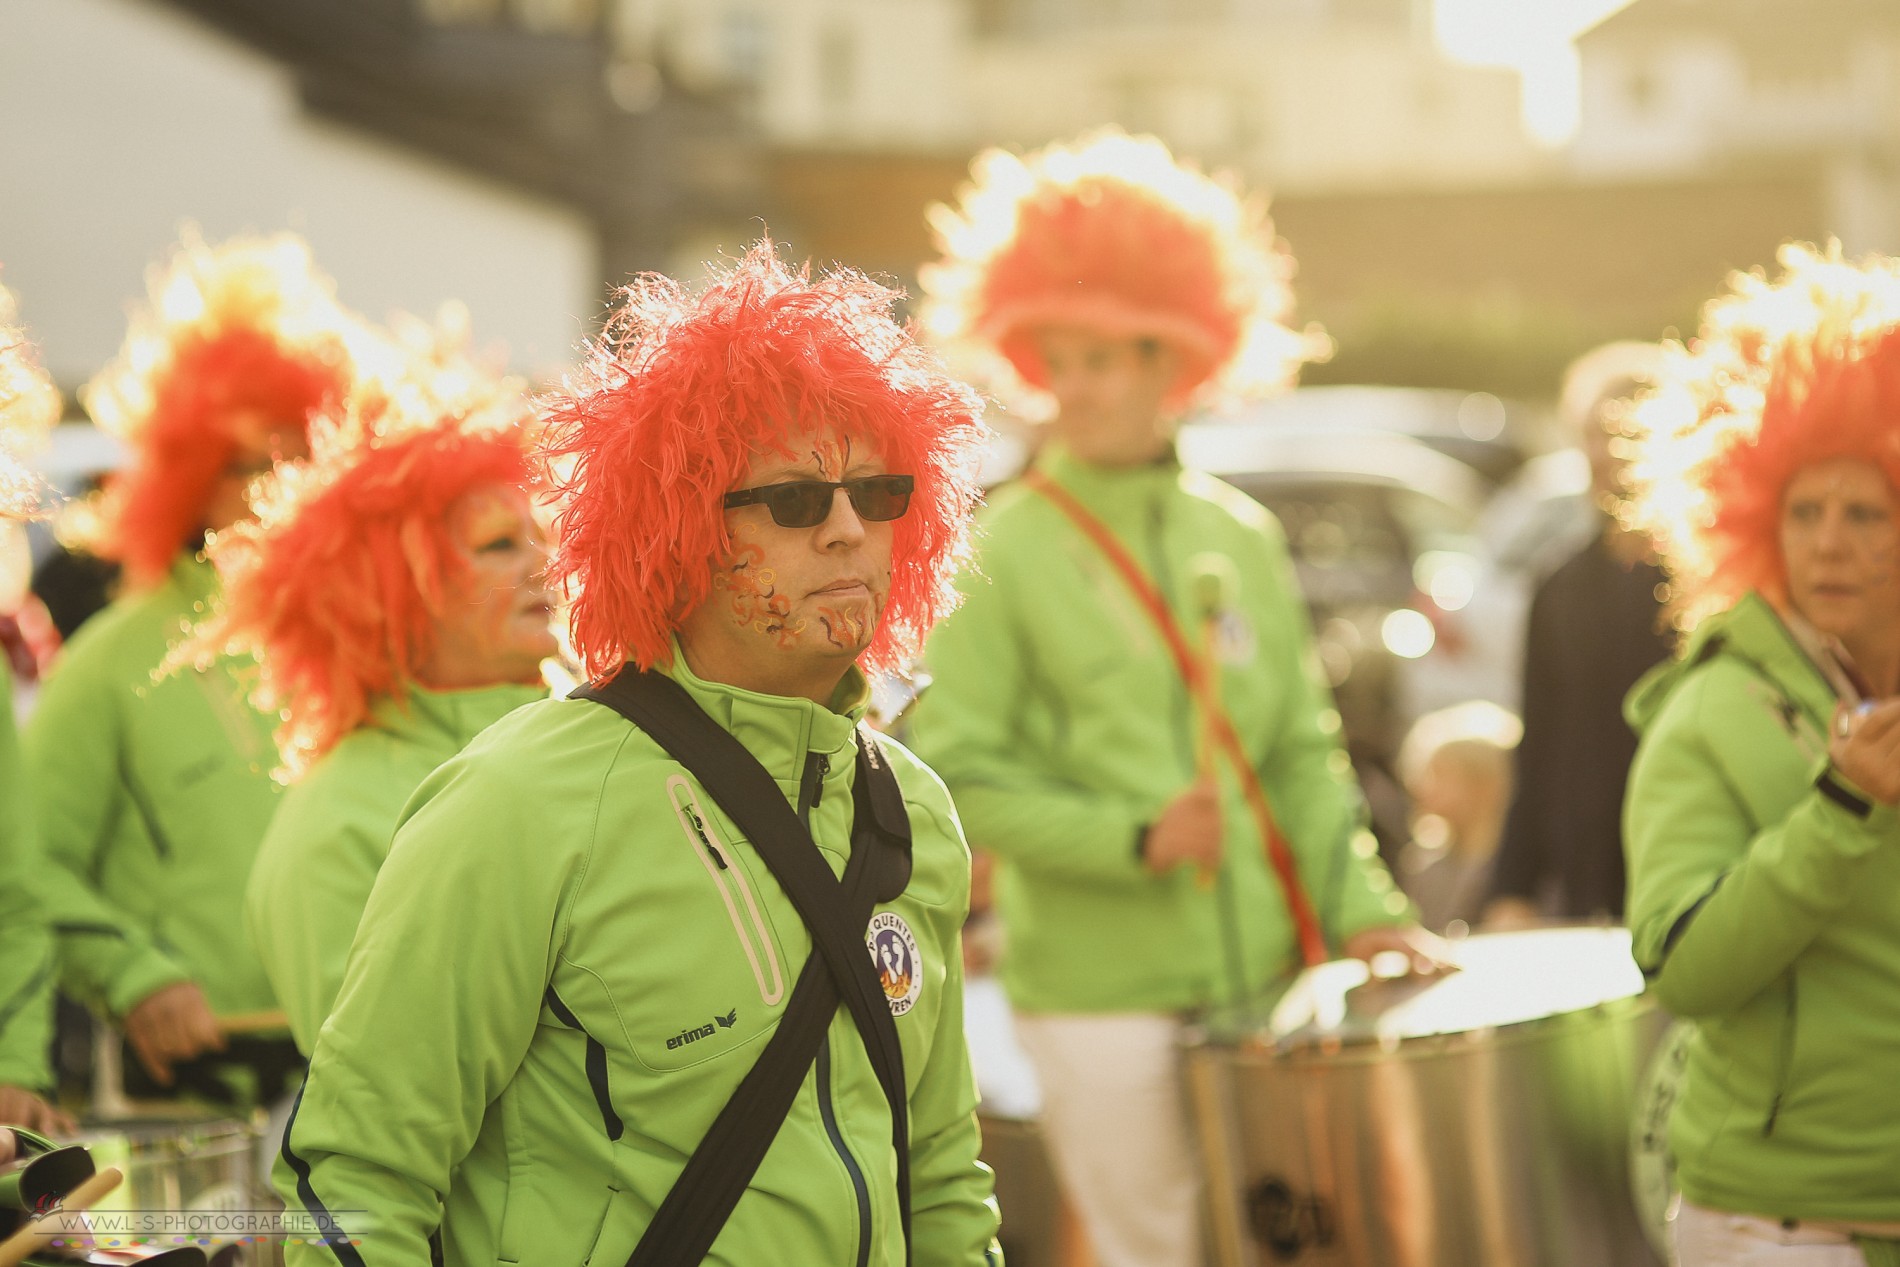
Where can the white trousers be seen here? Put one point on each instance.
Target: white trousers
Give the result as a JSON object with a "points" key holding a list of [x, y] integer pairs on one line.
{"points": [[1716, 1238], [1116, 1122]]}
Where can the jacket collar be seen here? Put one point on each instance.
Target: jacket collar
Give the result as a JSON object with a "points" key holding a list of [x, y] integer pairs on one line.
{"points": [[779, 730], [453, 718], [1751, 631], [1107, 490]]}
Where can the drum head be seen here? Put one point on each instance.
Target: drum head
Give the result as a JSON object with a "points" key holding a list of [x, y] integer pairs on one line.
{"points": [[1502, 979]]}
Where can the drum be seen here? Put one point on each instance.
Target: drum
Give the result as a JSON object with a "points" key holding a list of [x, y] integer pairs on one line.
{"points": [[189, 1178], [1479, 1118]]}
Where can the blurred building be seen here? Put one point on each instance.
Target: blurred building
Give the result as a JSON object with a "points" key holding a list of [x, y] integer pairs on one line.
{"points": [[1687, 88], [125, 119]]}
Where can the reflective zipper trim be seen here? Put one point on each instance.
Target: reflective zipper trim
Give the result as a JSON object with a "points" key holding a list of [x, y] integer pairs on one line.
{"points": [[830, 1116], [699, 833]]}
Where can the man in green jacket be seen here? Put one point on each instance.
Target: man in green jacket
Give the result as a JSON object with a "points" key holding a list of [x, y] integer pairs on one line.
{"points": [[572, 956], [1133, 885], [155, 788]]}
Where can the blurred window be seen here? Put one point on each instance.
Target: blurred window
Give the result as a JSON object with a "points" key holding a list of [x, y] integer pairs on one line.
{"points": [[838, 70], [746, 39]]}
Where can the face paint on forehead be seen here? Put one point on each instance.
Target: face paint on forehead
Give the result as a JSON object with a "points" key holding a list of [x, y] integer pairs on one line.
{"points": [[832, 453]]}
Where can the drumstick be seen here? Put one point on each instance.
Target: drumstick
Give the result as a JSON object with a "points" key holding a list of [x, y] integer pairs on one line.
{"points": [[1213, 586], [34, 1235], [254, 1022]]}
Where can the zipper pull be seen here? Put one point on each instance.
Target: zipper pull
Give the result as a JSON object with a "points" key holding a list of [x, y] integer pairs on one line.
{"points": [[705, 838], [818, 791]]}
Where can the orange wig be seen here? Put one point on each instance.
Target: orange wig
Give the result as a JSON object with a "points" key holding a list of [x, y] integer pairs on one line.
{"points": [[1112, 234], [680, 396], [238, 343], [1782, 375], [29, 407], [334, 584]]}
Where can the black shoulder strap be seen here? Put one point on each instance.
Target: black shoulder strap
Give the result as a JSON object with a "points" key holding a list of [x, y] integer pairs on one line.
{"points": [[839, 969]]}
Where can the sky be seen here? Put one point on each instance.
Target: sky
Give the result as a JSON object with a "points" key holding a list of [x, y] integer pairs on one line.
{"points": [[1532, 36]]}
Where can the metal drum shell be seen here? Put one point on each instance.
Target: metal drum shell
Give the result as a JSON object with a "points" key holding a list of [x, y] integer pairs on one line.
{"points": [[1496, 1146], [185, 1164]]}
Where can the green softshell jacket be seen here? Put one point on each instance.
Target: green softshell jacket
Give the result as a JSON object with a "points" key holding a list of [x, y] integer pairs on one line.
{"points": [[330, 836], [1060, 723], [26, 947], [152, 799], [1762, 903], [568, 962]]}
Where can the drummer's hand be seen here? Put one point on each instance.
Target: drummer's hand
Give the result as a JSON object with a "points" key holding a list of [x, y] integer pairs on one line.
{"points": [[1425, 953], [20, 1107], [1188, 832], [1510, 915], [1866, 748], [170, 1025]]}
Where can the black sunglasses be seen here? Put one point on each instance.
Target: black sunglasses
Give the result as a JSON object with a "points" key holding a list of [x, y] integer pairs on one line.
{"points": [[807, 503]]}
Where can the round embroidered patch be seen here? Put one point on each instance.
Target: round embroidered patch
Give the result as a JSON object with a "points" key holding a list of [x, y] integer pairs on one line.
{"points": [[895, 955]]}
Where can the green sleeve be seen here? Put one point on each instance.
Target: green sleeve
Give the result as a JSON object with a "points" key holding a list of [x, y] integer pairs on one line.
{"points": [[1718, 910], [306, 895], [439, 1002], [968, 728], [26, 948], [73, 747], [1308, 777]]}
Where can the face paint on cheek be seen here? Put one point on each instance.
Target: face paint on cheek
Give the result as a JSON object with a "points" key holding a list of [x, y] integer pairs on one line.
{"points": [[756, 603]]}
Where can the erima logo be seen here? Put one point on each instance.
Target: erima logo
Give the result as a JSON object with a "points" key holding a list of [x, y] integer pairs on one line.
{"points": [[704, 1031]]}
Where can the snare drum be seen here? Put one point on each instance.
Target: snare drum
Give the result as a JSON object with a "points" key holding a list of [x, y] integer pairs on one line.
{"points": [[1477, 1119], [178, 1167]]}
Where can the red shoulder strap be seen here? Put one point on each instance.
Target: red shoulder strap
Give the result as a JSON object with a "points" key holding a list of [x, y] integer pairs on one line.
{"points": [[1202, 686]]}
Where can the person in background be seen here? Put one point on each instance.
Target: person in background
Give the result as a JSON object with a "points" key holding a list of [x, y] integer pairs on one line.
{"points": [[571, 958], [1764, 845], [1596, 625], [1456, 763], [29, 407], [391, 591], [1121, 287], [155, 789]]}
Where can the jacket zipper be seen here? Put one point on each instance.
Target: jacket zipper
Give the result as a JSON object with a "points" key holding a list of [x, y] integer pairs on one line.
{"points": [[1164, 582], [810, 791], [760, 951], [827, 1112], [1784, 1061]]}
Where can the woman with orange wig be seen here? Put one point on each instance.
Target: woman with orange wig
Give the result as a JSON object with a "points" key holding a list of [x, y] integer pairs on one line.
{"points": [[154, 794], [1764, 845], [573, 959], [391, 590], [29, 405], [1132, 610]]}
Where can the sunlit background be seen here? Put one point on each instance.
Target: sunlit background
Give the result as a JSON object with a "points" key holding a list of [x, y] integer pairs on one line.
{"points": [[1475, 190]]}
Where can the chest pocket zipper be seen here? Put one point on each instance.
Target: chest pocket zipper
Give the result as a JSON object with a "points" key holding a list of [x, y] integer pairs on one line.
{"points": [[755, 940]]}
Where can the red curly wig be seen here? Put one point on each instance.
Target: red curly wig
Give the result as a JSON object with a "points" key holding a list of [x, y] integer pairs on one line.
{"points": [[237, 342], [1112, 234], [679, 397], [1782, 375], [333, 584], [29, 407]]}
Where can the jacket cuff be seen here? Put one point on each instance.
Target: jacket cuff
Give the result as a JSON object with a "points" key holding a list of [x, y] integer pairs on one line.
{"points": [[1844, 797], [148, 971]]}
